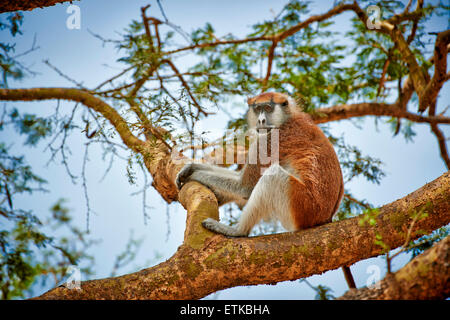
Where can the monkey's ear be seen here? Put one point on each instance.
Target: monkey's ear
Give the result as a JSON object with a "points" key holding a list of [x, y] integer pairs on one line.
{"points": [[250, 100]]}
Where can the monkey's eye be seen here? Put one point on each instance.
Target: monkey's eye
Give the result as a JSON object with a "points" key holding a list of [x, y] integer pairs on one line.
{"points": [[284, 104], [268, 108]]}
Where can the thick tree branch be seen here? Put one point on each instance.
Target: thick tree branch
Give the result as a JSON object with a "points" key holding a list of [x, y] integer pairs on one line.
{"points": [[427, 276], [208, 262]]}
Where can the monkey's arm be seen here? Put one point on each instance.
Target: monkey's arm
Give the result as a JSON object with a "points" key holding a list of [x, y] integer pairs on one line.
{"points": [[227, 185], [209, 167]]}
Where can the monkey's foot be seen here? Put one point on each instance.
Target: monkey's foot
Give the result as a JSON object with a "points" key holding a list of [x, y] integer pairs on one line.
{"points": [[221, 228]]}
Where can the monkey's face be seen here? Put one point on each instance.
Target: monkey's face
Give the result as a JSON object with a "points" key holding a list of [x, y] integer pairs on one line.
{"points": [[268, 111]]}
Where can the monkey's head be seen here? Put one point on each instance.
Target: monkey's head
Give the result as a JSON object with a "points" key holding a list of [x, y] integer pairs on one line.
{"points": [[269, 110]]}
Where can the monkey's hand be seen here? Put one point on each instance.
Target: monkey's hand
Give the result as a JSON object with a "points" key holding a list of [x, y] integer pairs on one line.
{"points": [[183, 175]]}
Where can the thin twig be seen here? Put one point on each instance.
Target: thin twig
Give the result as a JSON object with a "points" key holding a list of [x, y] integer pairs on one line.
{"points": [[362, 204], [186, 86], [442, 144], [84, 184], [270, 57], [173, 26], [405, 245], [78, 84]]}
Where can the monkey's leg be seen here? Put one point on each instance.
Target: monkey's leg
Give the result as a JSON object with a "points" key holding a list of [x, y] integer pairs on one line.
{"points": [[269, 197]]}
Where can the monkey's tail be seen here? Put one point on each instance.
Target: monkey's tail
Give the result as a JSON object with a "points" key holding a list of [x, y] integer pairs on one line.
{"points": [[349, 277]]}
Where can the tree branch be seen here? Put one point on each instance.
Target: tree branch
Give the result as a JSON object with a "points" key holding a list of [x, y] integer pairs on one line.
{"points": [[218, 43], [185, 85], [426, 90], [208, 262], [156, 154], [433, 87], [347, 111], [147, 27], [83, 97], [270, 57], [425, 277], [275, 38], [317, 18], [16, 5], [442, 144], [407, 15]]}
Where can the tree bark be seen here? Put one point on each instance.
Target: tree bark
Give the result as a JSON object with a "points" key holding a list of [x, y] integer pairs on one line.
{"points": [[16, 5], [208, 262], [427, 276]]}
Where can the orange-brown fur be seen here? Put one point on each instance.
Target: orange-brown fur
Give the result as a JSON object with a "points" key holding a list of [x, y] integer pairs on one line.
{"points": [[319, 189], [267, 96]]}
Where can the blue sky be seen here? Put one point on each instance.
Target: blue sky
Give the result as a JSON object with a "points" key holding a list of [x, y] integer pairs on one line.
{"points": [[84, 58]]}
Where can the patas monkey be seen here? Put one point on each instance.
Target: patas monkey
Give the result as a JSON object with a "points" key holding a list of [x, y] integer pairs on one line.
{"points": [[302, 187]]}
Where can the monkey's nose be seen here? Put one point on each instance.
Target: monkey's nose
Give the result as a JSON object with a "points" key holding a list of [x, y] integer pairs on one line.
{"points": [[262, 122]]}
